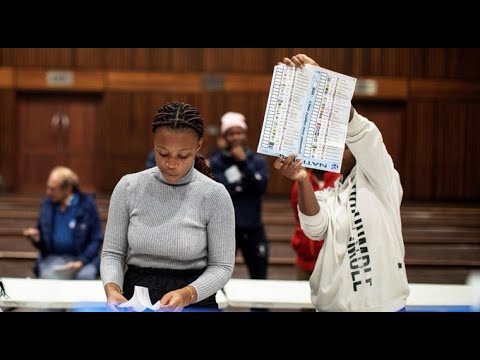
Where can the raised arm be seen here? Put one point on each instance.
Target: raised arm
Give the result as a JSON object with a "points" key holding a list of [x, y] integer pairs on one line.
{"points": [[366, 143]]}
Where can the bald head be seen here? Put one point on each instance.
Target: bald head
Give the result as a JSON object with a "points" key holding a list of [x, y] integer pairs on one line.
{"points": [[61, 183]]}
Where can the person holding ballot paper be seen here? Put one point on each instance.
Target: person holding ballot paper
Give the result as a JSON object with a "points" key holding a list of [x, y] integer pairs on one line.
{"points": [[361, 265]]}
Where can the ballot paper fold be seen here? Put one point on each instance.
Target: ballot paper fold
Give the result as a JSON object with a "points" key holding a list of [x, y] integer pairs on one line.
{"points": [[140, 300]]}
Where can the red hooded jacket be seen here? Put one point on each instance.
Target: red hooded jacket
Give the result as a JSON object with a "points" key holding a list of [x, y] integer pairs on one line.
{"points": [[307, 250]]}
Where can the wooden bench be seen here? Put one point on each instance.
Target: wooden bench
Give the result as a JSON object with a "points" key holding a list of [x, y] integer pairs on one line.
{"points": [[442, 240]]}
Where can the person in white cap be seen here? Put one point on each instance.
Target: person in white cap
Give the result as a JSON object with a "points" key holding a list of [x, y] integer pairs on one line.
{"points": [[245, 175]]}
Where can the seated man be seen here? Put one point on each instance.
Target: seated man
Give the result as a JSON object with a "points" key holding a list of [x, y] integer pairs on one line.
{"points": [[69, 231]]}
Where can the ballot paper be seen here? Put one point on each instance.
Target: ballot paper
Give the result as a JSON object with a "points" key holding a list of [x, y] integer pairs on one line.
{"points": [[140, 300], [63, 268], [307, 114]]}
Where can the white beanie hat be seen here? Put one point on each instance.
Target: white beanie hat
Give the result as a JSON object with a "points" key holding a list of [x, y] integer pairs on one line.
{"points": [[232, 119]]}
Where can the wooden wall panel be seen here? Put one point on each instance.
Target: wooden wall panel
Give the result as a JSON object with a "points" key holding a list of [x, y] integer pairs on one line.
{"points": [[452, 63], [437, 81], [116, 117], [218, 60], [419, 151], [463, 63], [7, 78], [374, 62], [444, 90], [450, 129], [5, 56], [407, 62], [148, 81], [242, 60], [141, 139], [187, 60], [435, 62], [89, 58], [471, 175], [39, 57], [250, 60], [212, 106], [161, 59], [118, 58], [28, 79], [141, 59], [358, 62], [8, 143]]}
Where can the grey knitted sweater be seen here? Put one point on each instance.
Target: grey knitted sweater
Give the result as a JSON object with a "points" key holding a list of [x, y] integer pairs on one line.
{"points": [[189, 225]]}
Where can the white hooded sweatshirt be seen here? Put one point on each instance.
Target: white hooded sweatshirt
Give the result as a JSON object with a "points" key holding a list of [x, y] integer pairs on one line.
{"points": [[361, 265]]}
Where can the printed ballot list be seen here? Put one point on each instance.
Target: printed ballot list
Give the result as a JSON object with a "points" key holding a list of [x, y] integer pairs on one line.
{"points": [[307, 114]]}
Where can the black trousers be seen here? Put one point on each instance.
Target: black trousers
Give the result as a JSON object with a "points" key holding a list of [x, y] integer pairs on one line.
{"points": [[254, 247], [161, 281]]}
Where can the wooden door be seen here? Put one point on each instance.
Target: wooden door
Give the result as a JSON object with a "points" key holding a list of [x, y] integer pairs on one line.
{"points": [[56, 130]]}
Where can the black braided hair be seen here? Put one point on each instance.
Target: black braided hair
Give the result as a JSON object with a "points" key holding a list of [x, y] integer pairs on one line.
{"points": [[182, 117]]}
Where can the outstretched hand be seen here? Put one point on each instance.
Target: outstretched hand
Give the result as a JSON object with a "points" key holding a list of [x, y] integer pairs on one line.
{"points": [[298, 60], [291, 168], [32, 234]]}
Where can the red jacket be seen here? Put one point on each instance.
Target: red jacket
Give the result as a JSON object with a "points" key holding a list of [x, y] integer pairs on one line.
{"points": [[307, 250]]}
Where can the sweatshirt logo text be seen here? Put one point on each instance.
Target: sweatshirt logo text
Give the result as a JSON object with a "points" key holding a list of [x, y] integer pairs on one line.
{"points": [[360, 268]]}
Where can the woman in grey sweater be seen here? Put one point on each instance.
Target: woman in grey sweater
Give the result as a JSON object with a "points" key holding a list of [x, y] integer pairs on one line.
{"points": [[171, 227]]}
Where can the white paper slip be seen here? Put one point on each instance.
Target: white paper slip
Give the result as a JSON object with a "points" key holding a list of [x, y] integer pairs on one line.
{"points": [[62, 268], [140, 300], [233, 174], [307, 114]]}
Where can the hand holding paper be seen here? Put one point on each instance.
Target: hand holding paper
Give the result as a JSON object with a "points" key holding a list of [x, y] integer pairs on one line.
{"points": [[140, 301], [307, 114]]}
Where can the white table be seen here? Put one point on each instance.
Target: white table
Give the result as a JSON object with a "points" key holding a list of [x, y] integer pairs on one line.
{"points": [[61, 294], [440, 295], [293, 294], [273, 294]]}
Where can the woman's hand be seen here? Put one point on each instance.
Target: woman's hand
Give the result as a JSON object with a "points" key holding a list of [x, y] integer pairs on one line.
{"points": [[298, 60], [291, 168], [178, 299], [114, 296]]}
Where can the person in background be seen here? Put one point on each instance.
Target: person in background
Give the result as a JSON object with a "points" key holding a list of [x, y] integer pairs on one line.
{"points": [[150, 160], [171, 227], [361, 265], [305, 248], [245, 176], [69, 231]]}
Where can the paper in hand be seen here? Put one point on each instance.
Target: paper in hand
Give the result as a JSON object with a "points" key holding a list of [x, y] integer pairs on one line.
{"points": [[62, 268], [140, 300]]}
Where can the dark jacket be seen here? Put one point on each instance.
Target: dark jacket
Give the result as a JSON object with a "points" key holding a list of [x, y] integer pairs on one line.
{"points": [[87, 234], [247, 192]]}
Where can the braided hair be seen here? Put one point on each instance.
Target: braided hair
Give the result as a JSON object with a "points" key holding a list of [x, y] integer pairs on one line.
{"points": [[182, 117]]}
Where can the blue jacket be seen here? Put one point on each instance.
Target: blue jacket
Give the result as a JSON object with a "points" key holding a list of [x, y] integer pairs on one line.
{"points": [[247, 192], [87, 234]]}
